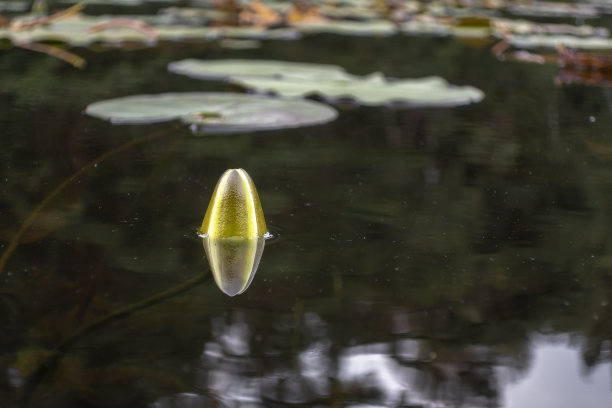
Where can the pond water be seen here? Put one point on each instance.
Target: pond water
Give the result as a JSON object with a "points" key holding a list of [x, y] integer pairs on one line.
{"points": [[440, 257]]}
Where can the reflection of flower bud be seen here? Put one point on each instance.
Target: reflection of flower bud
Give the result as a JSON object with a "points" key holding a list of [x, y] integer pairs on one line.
{"points": [[234, 209], [233, 232], [233, 261]]}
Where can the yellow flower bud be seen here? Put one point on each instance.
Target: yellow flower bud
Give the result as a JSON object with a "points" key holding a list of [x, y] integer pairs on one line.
{"points": [[234, 209], [234, 232]]}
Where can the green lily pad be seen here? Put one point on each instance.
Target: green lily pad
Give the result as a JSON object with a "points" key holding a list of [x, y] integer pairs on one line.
{"points": [[553, 41], [213, 112], [75, 32], [553, 9], [116, 3], [190, 15], [381, 28], [14, 6], [603, 6], [331, 82], [257, 33], [372, 90], [225, 69], [240, 44], [526, 27], [423, 26], [473, 27]]}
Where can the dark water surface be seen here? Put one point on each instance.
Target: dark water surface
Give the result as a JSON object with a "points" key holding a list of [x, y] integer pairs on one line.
{"points": [[444, 257]]}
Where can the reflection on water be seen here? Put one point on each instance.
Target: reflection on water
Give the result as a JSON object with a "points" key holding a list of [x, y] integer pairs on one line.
{"points": [[558, 367], [233, 261], [386, 374], [422, 251]]}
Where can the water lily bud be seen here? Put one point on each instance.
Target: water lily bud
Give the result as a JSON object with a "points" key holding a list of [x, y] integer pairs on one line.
{"points": [[234, 231], [234, 209]]}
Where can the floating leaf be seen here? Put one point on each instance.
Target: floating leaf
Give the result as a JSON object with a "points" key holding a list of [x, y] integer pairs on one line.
{"points": [[225, 69], [426, 26], [214, 112], [14, 6], [382, 28], [256, 33], [525, 27], [553, 9], [240, 44], [329, 81], [74, 31], [117, 3], [234, 231], [356, 12], [77, 31], [191, 16], [553, 41], [489, 26], [372, 90], [468, 27]]}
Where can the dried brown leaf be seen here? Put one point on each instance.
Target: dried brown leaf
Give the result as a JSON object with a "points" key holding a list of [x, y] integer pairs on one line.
{"points": [[302, 12], [259, 15]]}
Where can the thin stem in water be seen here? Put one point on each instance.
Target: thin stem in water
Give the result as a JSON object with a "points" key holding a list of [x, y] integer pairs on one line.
{"points": [[56, 356], [14, 243]]}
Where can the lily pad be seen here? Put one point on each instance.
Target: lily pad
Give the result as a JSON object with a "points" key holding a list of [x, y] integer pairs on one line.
{"points": [[240, 44], [14, 6], [331, 82], [372, 90], [257, 33], [213, 112], [76, 31], [422, 26], [553, 9], [116, 3], [526, 27], [190, 15], [349, 12], [553, 41], [381, 28], [225, 69]]}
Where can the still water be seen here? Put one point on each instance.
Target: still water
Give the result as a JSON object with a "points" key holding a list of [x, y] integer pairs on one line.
{"points": [[442, 257]]}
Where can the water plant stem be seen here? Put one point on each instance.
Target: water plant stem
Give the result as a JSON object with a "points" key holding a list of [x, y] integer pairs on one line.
{"points": [[56, 52], [8, 252], [54, 358]]}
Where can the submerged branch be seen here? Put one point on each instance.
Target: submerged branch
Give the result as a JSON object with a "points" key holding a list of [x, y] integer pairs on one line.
{"points": [[56, 52], [8, 252], [56, 356]]}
